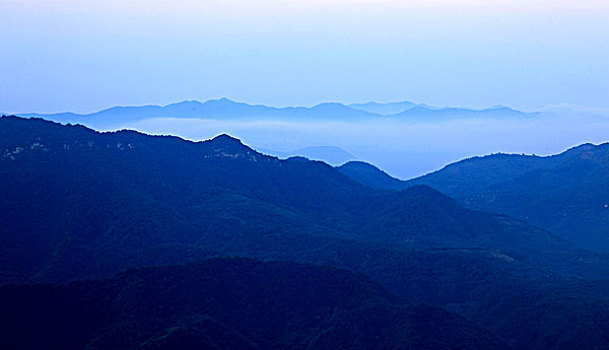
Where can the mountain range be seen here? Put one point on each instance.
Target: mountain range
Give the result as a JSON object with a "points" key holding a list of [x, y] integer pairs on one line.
{"points": [[229, 304], [389, 108], [225, 109], [329, 154], [187, 196], [76, 204], [567, 194]]}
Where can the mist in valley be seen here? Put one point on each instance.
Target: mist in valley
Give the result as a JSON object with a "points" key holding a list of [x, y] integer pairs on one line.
{"points": [[402, 148]]}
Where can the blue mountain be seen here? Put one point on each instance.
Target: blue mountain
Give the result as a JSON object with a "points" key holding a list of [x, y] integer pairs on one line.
{"points": [[330, 154], [389, 108], [225, 109], [567, 193], [424, 113], [76, 204], [220, 109]]}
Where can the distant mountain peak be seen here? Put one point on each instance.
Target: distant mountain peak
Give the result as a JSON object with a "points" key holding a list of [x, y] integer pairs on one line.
{"points": [[596, 153], [225, 138], [187, 102], [220, 101], [359, 164], [446, 113], [227, 141], [369, 175], [329, 154], [225, 145], [583, 147], [383, 108], [299, 159], [330, 105]]}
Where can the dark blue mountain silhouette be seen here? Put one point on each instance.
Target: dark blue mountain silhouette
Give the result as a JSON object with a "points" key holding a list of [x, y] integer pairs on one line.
{"points": [[565, 193], [330, 154], [229, 304], [79, 204]]}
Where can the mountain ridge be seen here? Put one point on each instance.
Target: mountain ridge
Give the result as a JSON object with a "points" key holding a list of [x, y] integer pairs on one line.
{"points": [[182, 184], [565, 193], [329, 154], [79, 204], [370, 175], [226, 109]]}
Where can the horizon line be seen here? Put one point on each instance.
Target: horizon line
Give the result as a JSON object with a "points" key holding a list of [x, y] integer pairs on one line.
{"points": [[346, 104]]}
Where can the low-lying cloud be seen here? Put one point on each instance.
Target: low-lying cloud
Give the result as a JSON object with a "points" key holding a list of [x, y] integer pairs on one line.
{"points": [[401, 148]]}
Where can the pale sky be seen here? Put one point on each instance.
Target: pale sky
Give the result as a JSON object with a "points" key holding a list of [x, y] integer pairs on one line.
{"points": [[68, 55]]}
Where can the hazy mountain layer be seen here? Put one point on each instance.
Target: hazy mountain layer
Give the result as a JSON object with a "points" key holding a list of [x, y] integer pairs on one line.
{"points": [[225, 109], [384, 108], [78, 204], [81, 203]]}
